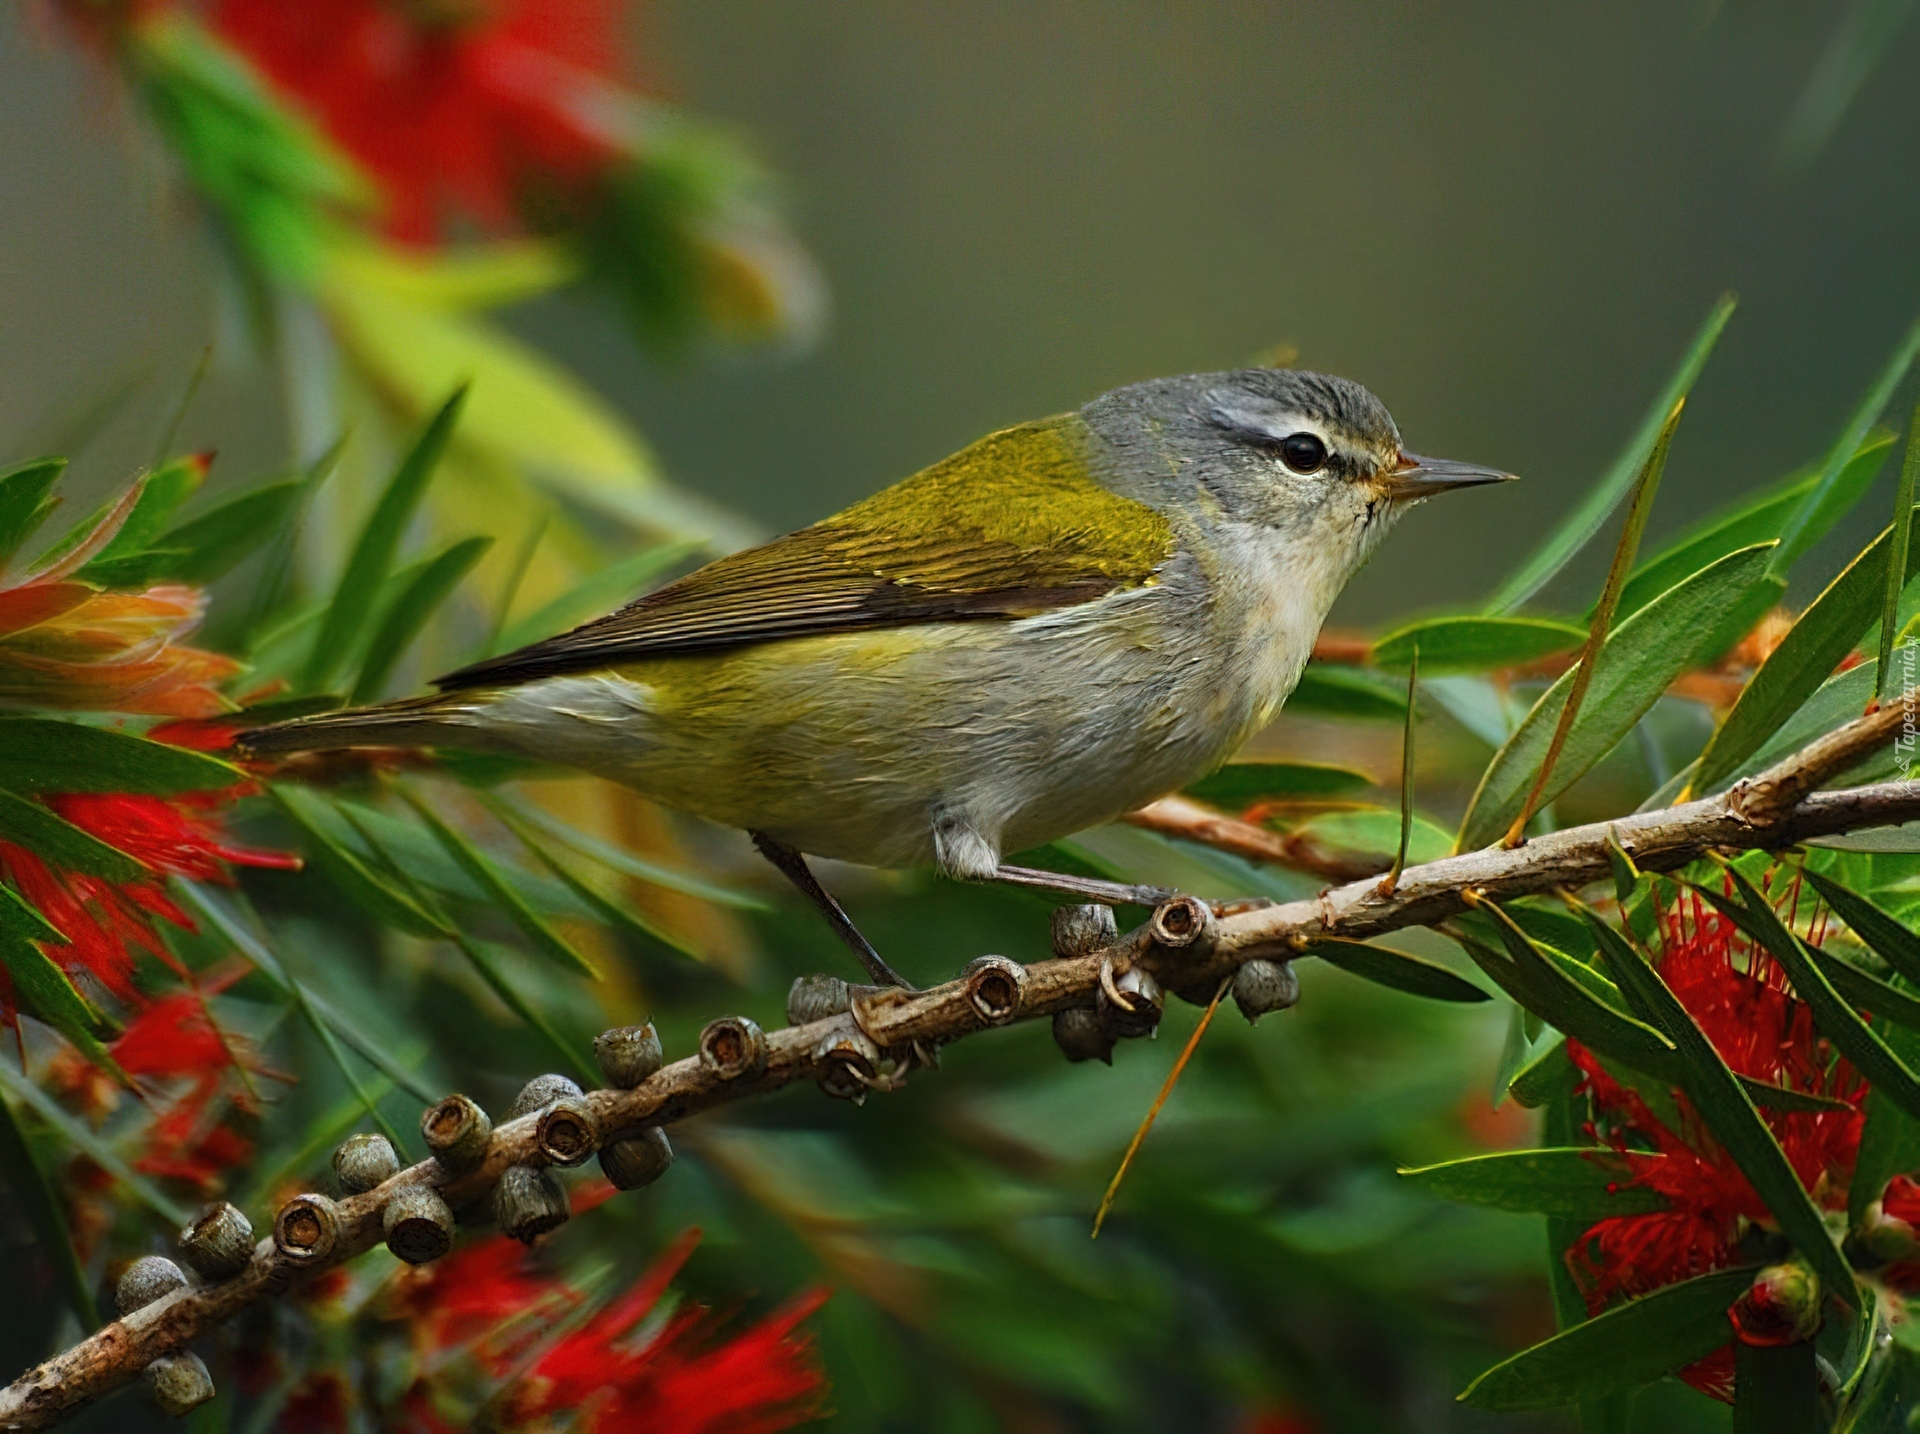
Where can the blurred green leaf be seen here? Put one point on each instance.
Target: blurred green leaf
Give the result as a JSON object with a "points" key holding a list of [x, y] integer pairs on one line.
{"points": [[372, 558], [1890, 1138], [1756, 519], [1398, 969], [19, 919], [1887, 937], [41, 754], [1728, 1111], [416, 603], [1579, 527], [81, 1137], [1240, 785], [1898, 554], [54, 839], [612, 913], [612, 587], [1547, 1075], [44, 991], [35, 1192], [615, 858], [26, 501], [1590, 1183], [220, 539], [1641, 659], [277, 566], [1866, 991], [1376, 834], [1628, 1346], [307, 1155], [1453, 645], [161, 495], [372, 892], [1332, 691], [1859, 40], [1825, 633]]}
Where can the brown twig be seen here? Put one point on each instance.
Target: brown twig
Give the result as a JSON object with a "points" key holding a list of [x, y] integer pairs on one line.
{"points": [[895, 1022], [1187, 819]]}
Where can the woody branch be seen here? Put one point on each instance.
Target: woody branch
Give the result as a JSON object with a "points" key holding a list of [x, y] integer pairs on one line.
{"points": [[1188, 946]]}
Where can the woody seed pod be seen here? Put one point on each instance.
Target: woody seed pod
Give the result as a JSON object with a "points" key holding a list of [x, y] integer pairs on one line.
{"points": [[528, 1202], [627, 1055], [219, 1243], [419, 1225], [306, 1228], [732, 1047], [567, 1133], [814, 998], [1137, 1012], [456, 1131], [995, 988], [1182, 921], [638, 1160], [147, 1279], [179, 1382], [1082, 930], [844, 1063], [541, 1092], [361, 1162], [1080, 1036], [1260, 986]]}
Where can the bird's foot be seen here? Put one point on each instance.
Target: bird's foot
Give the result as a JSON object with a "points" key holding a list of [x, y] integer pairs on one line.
{"points": [[793, 866], [1086, 888]]}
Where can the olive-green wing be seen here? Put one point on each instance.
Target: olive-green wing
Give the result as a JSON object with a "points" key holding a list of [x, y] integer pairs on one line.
{"points": [[1012, 526]]}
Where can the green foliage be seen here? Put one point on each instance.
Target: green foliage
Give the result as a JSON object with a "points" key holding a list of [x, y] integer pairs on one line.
{"points": [[1330, 691], [410, 611], [1475, 644], [26, 501], [39, 754], [1584, 1183], [1240, 785], [1400, 970]]}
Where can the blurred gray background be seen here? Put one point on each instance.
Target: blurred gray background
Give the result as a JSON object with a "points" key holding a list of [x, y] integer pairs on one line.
{"points": [[1505, 218]]}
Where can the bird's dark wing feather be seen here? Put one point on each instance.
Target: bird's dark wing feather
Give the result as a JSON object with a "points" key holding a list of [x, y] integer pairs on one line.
{"points": [[1012, 526]]}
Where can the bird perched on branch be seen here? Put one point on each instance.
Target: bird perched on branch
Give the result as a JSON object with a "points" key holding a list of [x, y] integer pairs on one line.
{"points": [[1054, 626]]}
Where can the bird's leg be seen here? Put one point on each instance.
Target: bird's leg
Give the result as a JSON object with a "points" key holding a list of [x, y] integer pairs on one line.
{"points": [[794, 867], [1087, 888]]}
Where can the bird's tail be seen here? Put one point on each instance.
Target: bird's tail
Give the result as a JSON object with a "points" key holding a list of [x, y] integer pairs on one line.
{"points": [[410, 722]]}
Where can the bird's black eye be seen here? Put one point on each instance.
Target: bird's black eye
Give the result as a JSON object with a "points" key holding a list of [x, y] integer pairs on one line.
{"points": [[1304, 453]]}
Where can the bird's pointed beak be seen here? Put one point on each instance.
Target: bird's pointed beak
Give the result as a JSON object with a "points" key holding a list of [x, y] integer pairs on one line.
{"points": [[1414, 477]]}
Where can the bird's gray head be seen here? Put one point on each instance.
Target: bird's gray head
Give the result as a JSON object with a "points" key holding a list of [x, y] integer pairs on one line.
{"points": [[1309, 454]]}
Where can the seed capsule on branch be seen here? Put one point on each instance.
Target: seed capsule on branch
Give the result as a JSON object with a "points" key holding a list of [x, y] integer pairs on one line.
{"points": [[1260, 986], [1083, 930], [627, 1055], [180, 1382], [541, 1092], [814, 998], [149, 1278], [418, 1224], [1182, 922], [529, 1202], [995, 987], [1081, 1036], [219, 1243], [1130, 1003], [732, 1047], [306, 1228], [845, 1064], [567, 1133], [456, 1131], [361, 1162], [637, 1160]]}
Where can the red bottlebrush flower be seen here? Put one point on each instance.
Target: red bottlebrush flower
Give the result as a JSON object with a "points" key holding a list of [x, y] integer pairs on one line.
{"points": [[452, 105], [470, 1297], [1739, 997], [105, 922]]}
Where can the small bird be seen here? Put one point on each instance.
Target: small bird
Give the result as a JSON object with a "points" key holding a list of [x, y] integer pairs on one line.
{"points": [[1052, 627]]}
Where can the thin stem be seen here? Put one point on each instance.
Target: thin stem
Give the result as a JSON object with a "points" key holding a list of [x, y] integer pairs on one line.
{"points": [[1897, 553]]}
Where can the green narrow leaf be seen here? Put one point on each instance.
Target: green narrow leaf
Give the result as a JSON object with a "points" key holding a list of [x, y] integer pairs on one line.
{"points": [[1546, 1076], [416, 603], [481, 869], [45, 992], [1344, 692], [1749, 520], [1818, 642], [1897, 554], [39, 754], [1453, 645], [277, 567], [615, 859], [612, 913], [1817, 511], [1864, 990], [1837, 1020], [1626, 876], [26, 501], [1890, 1138], [1776, 1388], [1640, 660], [1727, 1109], [35, 1192], [161, 494], [1588, 1183], [1240, 785], [1577, 530], [220, 539], [209, 906], [19, 919], [1392, 878], [80, 1135], [610, 588], [1886, 936], [373, 893], [344, 625], [1399, 969], [1628, 1346], [53, 838]]}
